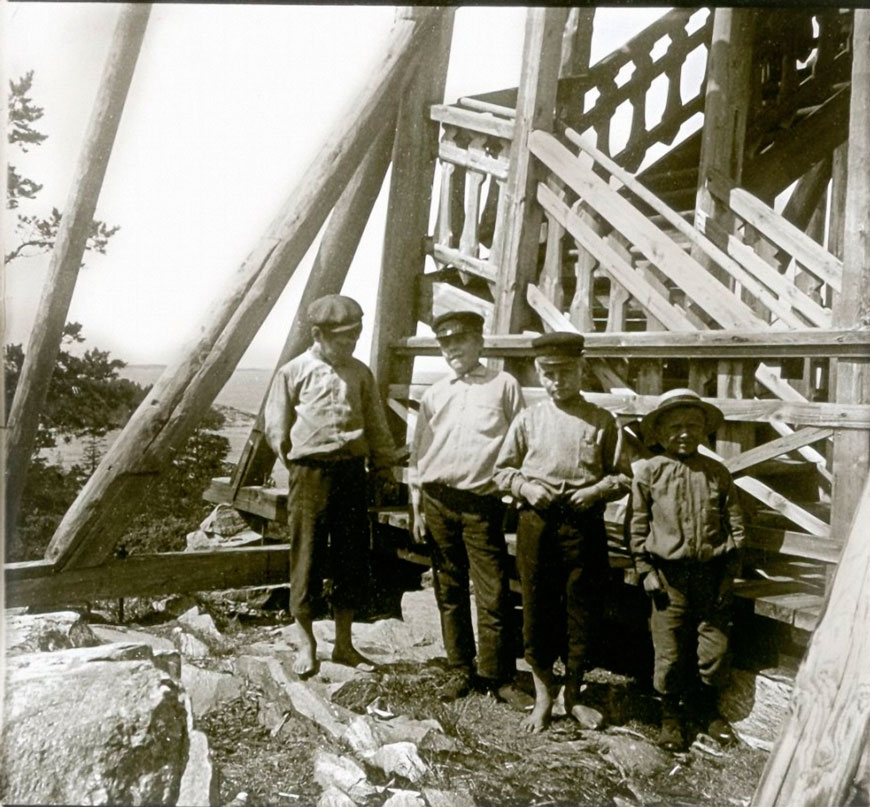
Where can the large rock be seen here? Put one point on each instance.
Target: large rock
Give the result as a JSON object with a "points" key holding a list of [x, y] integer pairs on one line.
{"points": [[634, 756], [404, 798], [756, 705], [58, 630], [208, 688], [400, 758], [120, 633], [92, 731], [342, 773]]}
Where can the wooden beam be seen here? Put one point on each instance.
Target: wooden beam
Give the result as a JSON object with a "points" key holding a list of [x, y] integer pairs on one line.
{"points": [[775, 448], [852, 305], [91, 527], [412, 175], [38, 585], [331, 264], [577, 42], [517, 252], [676, 344], [43, 346], [825, 734]]}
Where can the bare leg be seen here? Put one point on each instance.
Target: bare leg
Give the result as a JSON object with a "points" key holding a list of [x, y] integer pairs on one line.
{"points": [[344, 652], [306, 659], [538, 720]]}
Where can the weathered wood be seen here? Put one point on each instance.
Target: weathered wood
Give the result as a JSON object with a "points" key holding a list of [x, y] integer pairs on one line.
{"points": [[577, 42], [485, 123], [702, 289], [703, 344], [517, 251], [734, 379], [819, 747], [451, 153], [407, 224], [331, 264], [465, 263], [36, 584], [775, 448], [89, 530], [852, 305], [43, 346]]}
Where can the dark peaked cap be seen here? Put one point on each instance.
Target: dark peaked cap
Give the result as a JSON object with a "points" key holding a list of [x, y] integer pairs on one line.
{"points": [[558, 347], [335, 312], [455, 322]]}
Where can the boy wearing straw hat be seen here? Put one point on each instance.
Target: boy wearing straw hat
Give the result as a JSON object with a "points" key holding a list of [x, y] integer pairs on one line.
{"points": [[686, 533], [563, 459]]}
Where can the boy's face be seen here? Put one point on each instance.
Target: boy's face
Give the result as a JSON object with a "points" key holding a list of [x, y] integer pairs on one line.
{"points": [[336, 346], [681, 430], [461, 351], [561, 381]]}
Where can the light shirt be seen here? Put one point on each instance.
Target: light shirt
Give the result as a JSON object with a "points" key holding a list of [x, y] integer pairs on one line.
{"points": [[460, 428], [683, 509], [315, 410], [564, 448]]}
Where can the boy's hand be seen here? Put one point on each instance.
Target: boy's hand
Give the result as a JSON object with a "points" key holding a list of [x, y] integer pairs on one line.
{"points": [[535, 494], [583, 499], [651, 582], [418, 526]]}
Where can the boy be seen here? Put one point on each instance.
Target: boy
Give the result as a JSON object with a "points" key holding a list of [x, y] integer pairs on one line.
{"points": [[686, 532], [324, 420], [461, 424], [562, 461]]}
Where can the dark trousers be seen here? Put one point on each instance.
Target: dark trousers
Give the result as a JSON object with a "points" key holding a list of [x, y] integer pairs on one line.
{"points": [[329, 535], [467, 540], [690, 626], [563, 566]]}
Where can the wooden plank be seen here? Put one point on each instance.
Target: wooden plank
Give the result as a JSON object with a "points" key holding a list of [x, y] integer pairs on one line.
{"points": [[812, 255], [43, 345], [790, 542], [657, 247], [704, 344], [775, 448], [148, 576], [829, 709], [785, 607], [614, 264], [464, 262], [408, 207], [472, 120], [446, 297], [91, 527], [517, 250], [331, 264], [852, 306], [477, 161], [270, 503]]}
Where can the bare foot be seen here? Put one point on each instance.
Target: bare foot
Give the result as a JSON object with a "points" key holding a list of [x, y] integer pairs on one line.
{"points": [[351, 657], [305, 663], [586, 716], [539, 719]]}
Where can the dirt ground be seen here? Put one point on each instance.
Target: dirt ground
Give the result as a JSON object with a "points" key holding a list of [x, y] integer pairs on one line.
{"points": [[494, 762]]}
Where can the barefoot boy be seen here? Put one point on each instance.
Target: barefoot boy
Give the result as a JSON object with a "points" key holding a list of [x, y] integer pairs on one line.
{"points": [[324, 420], [563, 461], [686, 531], [461, 424]]}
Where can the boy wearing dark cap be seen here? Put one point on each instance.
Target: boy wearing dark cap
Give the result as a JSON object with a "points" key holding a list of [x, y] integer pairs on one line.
{"points": [[461, 424], [562, 460], [325, 421], [686, 534]]}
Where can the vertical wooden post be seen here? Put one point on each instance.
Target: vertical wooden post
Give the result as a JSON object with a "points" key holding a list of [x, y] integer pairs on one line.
{"points": [[852, 306], [334, 256], [517, 256], [413, 170], [66, 258], [577, 42], [89, 530]]}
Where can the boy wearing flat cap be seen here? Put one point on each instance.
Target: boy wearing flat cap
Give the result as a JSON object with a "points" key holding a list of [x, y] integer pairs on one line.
{"points": [[325, 421], [461, 424], [686, 533], [563, 460]]}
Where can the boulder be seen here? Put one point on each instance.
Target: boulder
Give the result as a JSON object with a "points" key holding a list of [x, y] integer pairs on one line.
{"points": [[756, 704], [119, 633], [633, 756], [92, 731], [400, 758], [208, 688], [420, 614], [342, 773], [189, 646], [333, 797], [447, 798], [200, 782], [58, 630], [201, 624], [404, 798]]}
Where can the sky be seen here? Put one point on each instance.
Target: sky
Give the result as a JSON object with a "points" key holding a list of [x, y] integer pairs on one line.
{"points": [[228, 106]]}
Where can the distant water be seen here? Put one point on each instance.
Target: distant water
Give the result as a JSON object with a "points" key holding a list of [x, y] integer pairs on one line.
{"points": [[244, 390]]}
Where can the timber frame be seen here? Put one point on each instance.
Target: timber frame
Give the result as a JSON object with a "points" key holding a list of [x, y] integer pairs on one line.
{"points": [[584, 199]]}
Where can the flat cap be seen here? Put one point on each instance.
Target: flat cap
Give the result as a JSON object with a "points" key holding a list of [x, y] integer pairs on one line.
{"points": [[675, 398], [558, 347], [335, 312], [456, 322]]}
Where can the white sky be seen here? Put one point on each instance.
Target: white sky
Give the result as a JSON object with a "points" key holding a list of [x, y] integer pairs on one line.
{"points": [[228, 105]]}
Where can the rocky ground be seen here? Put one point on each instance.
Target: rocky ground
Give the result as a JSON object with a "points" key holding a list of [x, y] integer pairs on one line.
{"points": [[345, 737]]}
